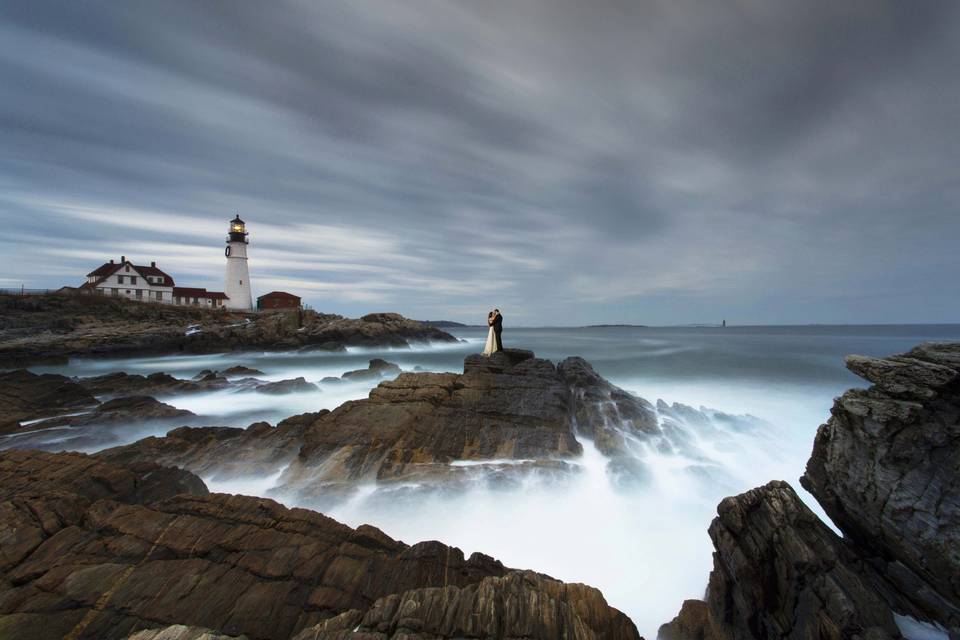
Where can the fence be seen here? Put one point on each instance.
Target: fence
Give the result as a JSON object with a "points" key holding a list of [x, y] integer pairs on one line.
{"points": [[33, 292]]}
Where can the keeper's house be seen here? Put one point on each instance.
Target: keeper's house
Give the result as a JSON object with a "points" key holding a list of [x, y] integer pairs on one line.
{"points": [[149, 284]]}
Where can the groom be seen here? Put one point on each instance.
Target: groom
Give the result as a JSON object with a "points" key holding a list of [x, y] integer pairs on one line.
{"points": [[498, 328]]}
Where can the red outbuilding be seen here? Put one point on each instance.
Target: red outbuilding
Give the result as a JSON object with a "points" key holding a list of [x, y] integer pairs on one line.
{"points": [[278, 300]]}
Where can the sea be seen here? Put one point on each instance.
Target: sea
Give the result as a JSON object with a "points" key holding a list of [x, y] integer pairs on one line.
{"points": [[645, 547]]}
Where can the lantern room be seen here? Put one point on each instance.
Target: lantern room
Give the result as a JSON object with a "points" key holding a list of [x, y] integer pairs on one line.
{"points": [[238, 231]]}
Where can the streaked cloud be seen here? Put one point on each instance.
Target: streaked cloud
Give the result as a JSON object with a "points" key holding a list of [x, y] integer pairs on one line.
{"points": [[653, 162]]}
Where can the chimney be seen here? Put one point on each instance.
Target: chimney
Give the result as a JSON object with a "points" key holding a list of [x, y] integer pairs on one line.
{"points": [[111, 260], [123, 259], [153, 264]]}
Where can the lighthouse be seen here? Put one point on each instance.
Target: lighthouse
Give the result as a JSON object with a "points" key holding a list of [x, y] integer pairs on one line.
{"points": [[237, 283]]}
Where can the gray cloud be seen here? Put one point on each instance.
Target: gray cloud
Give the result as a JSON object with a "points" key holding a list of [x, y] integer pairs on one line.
{"points": [[657, 161]]}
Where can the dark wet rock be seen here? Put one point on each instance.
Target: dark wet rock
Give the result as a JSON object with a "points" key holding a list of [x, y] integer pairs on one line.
{"points": [[779, 572], [692, 623], [54, 328], [886, 469], [181, 632], [294, 385], [611, 417], [27, 396], [131, 409], [241, 371], [87, 555], [901, 376], [125, 384], [221, 452], [378, 368], [516, 605], [330, 380]]}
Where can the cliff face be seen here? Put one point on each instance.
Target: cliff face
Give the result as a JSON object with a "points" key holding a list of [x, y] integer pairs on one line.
{"points": [[93, 549], [886, 469]]}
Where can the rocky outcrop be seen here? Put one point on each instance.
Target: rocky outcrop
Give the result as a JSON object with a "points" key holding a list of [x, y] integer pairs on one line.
{"points": [[503, 419], [222, 453], [511, 406], [181, 632], [95, 549], [293, 385], [886, 469], [55, 328], [692, 623], [122, 384], [516, 605], [131, 409], [26, 396], [378, 368], [781, 573]]}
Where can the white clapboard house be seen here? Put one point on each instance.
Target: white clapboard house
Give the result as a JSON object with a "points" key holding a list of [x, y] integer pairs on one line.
{"points": [[149, 284]]}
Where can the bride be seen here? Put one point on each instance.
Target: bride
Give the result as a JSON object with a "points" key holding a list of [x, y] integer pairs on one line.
{"points": [[491, 345]]}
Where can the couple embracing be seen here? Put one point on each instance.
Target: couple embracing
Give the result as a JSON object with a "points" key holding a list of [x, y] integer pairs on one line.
{"points": [[495, 322]]}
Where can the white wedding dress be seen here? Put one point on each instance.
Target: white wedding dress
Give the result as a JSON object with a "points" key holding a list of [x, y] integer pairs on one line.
{"points": [[491, 345]]}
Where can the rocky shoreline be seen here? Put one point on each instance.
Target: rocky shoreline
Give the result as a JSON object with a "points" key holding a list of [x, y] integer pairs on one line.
{"points": [[54, 328], [129, 542], [95, 549]]}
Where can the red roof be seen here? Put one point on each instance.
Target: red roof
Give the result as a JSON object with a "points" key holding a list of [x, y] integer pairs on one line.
{"points": [[194, 292], [279, 294], [104, 270], [107, 269]]}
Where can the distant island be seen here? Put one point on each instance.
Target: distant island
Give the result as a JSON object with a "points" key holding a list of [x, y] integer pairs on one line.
{"points": [[609, 326]]}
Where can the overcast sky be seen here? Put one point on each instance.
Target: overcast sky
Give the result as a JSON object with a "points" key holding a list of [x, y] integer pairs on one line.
{"points": [[651, 162]]}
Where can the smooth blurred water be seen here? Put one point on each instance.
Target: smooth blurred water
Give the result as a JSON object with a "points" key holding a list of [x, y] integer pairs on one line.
{"points": [[647, 548]]}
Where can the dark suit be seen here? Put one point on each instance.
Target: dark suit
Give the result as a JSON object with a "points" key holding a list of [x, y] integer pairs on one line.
{"points": [[498, 329]]}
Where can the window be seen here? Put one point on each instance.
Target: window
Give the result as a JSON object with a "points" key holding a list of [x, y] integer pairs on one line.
{"points": [[119, 279], [114, 292], [127, 268], [128, 290], [159, 295], [196, 301], [241, 283], [133, 279], [139, 293]]}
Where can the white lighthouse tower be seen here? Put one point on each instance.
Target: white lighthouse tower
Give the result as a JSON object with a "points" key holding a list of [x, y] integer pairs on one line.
{"points": [[237, 283]]}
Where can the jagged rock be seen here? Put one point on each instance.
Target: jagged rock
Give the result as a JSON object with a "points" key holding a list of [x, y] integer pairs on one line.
{"points": [[886, 469], [378, 368], [778, 572], [510, 406], [517, 605], [42, 494], [611, 416], [692, 623], [181, 632], [294, 385], [27, 396], [903, 376], [89, 552], [221, 452]]}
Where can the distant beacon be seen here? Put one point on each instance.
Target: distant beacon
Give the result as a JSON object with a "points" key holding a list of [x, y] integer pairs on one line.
{"points": [[237, 284]]}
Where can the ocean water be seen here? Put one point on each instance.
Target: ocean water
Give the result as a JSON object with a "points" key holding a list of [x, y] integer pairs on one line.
{"points": [[645, 547]]}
